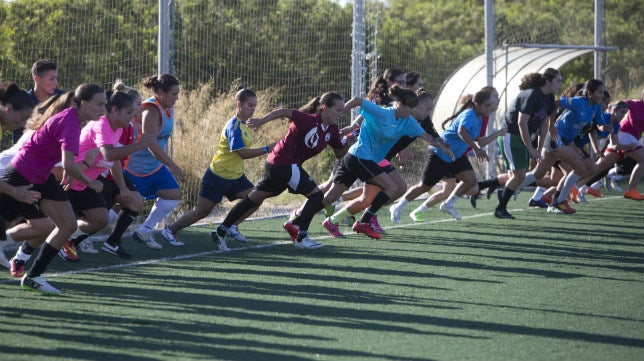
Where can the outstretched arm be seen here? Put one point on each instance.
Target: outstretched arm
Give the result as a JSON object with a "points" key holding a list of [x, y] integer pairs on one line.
{"points": [[255, 123]]}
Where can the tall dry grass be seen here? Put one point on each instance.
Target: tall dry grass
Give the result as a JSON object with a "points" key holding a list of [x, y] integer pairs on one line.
{"points": [[200, 116]]}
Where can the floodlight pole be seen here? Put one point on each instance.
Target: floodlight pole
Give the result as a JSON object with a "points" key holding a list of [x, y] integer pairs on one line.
{"points": [[490, 170], [599, 29]]}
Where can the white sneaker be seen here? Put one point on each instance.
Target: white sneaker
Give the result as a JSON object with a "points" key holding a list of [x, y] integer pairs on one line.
{"points": [[234, 232], [4, 262], [582, 198], [395, 213], [170, 237], [87, 246], [220, 241], [450, 210], [616, 186], [146, 239], [416, 216], [308, 243], [38, 284]]}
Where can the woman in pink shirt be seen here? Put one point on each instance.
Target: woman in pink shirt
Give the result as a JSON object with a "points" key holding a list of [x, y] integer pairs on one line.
{"points": [[630, 132], [57, 127]]}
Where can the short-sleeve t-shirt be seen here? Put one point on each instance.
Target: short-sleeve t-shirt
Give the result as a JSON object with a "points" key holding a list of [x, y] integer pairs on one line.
{"points": [[535, 104], [226, 163], [96, 134], [578, 116], [471, 122], [306, 137], [633, 122], [43, 150], [380, 130]]}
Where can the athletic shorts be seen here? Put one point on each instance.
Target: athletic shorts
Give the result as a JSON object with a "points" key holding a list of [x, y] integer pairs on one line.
{"points": [[515, 153], [625, 166], [85, 199], [149, 185], [353, 168], [111, 190], [437, 169], [278, 178], [11, 209], [214, 187]]}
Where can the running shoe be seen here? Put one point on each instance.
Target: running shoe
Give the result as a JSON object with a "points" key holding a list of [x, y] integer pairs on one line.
{"points": [[38, 284], [219, 241], [416, 216], [473, 200], [365, 228], [581, 198], [349, 220], [503, 214], [68, 252], [634, 195], [234, 232], [17, 267], [147, 240], [615, 185], [490, 191], [170, 237], [375, 225], [546, 199], [332, 228], [594, 192], [537, 203], [292, 230], [87, 246], [395, 213], [450, 210], [307, 243], [561, 208], [115, 250]]}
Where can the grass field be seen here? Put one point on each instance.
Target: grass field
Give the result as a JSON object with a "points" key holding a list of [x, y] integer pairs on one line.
{"points": [[540, 287]]}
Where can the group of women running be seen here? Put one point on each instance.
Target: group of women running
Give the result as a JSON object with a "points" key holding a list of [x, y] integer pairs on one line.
{"points": [[89, 153]]}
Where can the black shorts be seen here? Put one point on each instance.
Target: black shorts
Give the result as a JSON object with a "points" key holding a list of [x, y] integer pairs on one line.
{"points": [[625, 166], [278, 178], [11, 209], [86, 199], [437, 169], [111, 189], [353, 168]]}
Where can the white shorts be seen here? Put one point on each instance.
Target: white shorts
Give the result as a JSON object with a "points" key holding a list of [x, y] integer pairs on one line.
{"points": [[627, 138]]}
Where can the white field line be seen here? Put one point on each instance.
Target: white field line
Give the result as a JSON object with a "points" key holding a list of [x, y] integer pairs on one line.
{"points": [[255, 246]]}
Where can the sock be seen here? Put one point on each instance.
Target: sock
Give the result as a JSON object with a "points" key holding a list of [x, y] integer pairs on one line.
{"points": [[400, 205], [505, 198], [338, 216], [47, 253], [538, 193], [237, 212], [529, 178], [583, 189], [492, 182], [125, 218], [571, 179], [76, 241], [420, 209], [312, 205], [161, 209], [597, 185], [24, 252], [452, 199], [380, 200], [111, 215]]}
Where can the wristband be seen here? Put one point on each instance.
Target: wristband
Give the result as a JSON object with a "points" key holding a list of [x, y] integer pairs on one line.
{"points": [[266, 149], [87, 165]]}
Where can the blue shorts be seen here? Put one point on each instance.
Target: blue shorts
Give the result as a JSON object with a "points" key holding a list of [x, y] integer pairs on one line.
{"points": [[149, 185], [214, 187]]}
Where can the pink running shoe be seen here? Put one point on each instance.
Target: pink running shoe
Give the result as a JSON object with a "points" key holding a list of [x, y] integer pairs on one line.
{"points": [[292, 230], [375, 225], [332, 228], [365, 228]]}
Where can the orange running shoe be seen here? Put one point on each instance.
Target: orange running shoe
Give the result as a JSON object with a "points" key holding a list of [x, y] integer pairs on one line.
{"points": [[594, 192], [574, 193], [634, 194]]}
